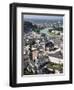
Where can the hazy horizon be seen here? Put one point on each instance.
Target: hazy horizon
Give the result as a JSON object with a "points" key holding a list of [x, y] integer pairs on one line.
{"points": [[42, 17]]}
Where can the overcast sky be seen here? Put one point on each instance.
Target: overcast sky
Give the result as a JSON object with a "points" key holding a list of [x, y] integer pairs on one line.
{"points": [[50, 17]]}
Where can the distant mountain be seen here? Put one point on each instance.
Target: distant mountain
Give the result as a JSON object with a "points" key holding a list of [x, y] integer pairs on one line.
{"points": [[42, 21], [27, 26]]}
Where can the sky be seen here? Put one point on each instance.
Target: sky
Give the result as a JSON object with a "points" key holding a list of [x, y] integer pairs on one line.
{"points": [[50, 17]]}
